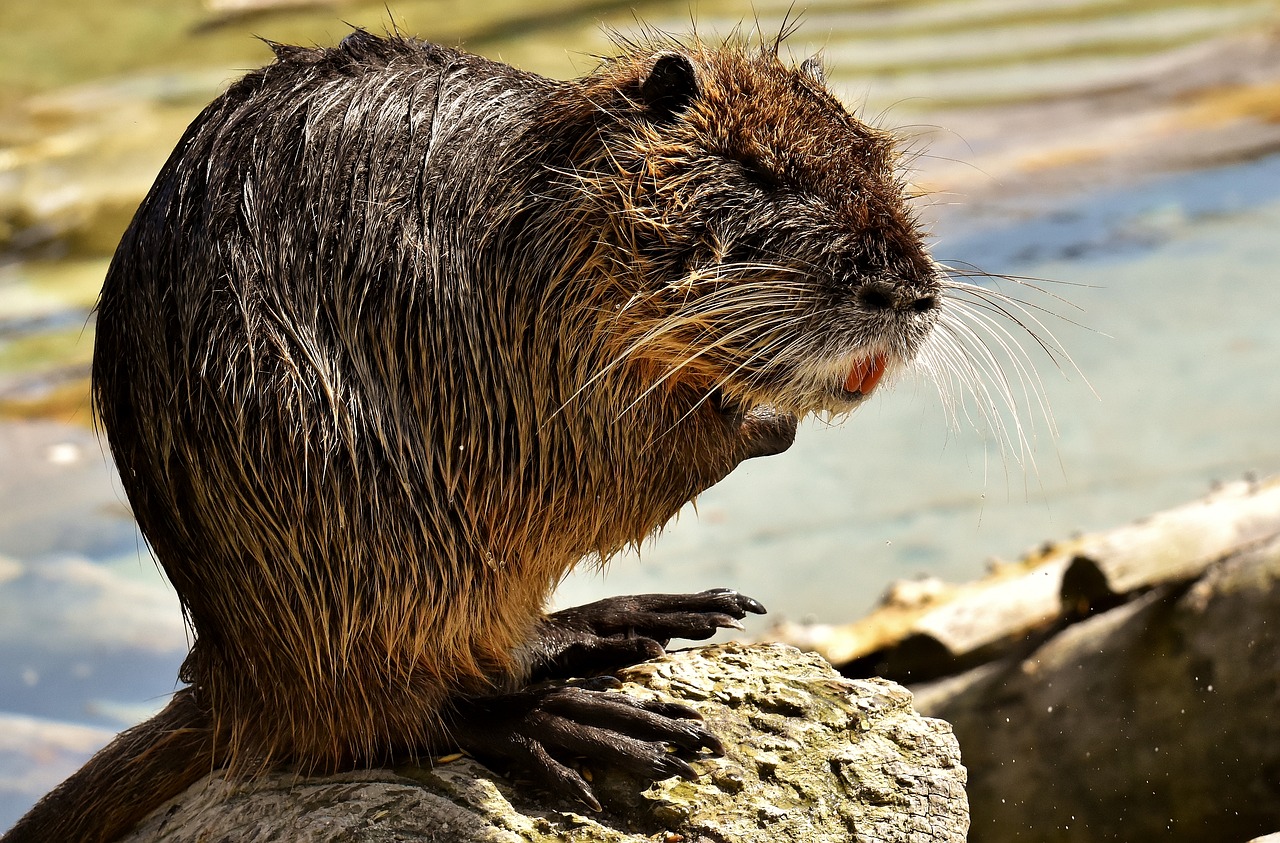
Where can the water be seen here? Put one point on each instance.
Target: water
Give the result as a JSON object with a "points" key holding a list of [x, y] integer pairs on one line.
{"points": [[1172, 275]]}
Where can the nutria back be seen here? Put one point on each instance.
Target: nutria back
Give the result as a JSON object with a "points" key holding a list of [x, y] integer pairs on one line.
{"points": [[400, 335]]}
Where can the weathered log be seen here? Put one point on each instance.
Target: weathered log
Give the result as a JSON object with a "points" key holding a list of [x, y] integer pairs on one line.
{"points": [[1172, 546], [919, 634], [811, 757]]}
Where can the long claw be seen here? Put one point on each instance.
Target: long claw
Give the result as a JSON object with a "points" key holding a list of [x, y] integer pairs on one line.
{"points": [[539, 728]]}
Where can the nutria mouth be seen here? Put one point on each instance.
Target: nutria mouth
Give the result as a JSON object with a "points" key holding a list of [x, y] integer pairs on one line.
{"points": [[863, 377]]}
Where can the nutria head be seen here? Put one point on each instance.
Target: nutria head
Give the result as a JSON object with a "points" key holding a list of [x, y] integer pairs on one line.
{"points": [[762, 244]]}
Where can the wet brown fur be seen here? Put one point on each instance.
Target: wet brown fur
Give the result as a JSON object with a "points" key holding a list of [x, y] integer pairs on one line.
{"points": [[401, 335]]}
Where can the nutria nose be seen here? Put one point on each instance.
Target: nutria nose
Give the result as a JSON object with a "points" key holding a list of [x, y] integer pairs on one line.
{"points": [[880, 295]]}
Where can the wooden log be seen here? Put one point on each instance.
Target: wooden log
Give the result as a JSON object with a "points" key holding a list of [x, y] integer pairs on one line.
{"points": [[922, 633], [1172, 546]]}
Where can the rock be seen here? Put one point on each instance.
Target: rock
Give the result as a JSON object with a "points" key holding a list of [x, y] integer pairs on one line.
{"points": [[811, 757], [1155, 720]]}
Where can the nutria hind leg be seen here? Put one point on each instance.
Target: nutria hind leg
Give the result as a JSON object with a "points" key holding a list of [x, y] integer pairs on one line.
{"points": [[622, 631], [534, 731]]}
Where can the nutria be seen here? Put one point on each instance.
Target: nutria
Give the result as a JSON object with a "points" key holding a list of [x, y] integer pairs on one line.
{"points": [[401, 335]]}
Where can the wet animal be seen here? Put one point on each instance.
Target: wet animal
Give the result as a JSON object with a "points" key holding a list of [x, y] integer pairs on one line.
{"points": [[402, 335]]}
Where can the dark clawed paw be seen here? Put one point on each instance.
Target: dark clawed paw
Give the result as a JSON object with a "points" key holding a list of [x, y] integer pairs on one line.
{"points": [[765, 432], [537, 730], [622, 631], [662, 616], [566, 654]]}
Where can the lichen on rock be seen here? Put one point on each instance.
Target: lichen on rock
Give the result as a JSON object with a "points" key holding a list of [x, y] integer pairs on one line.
{"points": [[810, 756]]}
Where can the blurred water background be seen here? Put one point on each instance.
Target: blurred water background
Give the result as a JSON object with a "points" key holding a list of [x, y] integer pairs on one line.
{"points": [[1121, 150]]}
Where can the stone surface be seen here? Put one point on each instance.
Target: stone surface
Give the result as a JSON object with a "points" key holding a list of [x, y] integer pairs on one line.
{"points": [[1155, 720], [811, 757]]}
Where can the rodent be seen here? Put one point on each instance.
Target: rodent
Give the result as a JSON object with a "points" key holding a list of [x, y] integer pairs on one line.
{"points": [[401, 335]]}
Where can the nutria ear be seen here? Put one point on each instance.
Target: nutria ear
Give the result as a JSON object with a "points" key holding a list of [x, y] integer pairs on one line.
{"points": [[812, 67], [670, 85]]}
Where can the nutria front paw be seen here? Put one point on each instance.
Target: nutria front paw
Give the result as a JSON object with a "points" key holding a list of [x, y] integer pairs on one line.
{"points": [[765, 432], [537, 730], [661, 616], [622, 631]]}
